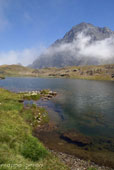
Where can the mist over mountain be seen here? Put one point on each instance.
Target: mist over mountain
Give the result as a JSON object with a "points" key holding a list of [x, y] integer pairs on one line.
{"points": [[84, 44]]}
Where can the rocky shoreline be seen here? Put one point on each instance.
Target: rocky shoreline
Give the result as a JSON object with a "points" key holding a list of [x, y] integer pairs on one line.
{"points": [[75, 163], [71, 157]]}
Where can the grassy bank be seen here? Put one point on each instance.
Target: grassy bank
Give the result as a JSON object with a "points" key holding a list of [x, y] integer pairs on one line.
{"points": [[18, 148]]}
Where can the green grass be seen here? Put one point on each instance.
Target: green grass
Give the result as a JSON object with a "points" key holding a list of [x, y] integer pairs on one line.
{"points": [[35, 115], [91, 168], [45, 91], [18, 148], [32, 97], [32, 149]]}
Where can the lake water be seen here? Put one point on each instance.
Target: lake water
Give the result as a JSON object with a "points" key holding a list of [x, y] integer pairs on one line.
{"points": [[83, 105]]}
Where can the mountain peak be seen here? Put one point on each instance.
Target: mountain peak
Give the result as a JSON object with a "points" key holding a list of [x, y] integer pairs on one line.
{"points": [[96, 33], [83, 25]]}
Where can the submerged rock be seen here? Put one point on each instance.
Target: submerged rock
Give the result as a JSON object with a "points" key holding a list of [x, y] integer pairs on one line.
{"points": [[76, 138]]}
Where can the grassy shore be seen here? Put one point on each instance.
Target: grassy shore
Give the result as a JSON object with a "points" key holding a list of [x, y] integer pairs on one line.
{"points": [[19, 149]]}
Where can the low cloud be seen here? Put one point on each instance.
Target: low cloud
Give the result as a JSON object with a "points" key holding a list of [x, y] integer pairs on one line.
{"points": [[83, 47], [24, 57], [102, 50]]}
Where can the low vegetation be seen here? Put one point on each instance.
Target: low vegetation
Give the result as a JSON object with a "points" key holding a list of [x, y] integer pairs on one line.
{"points": [[19, 149], [91, 168]]}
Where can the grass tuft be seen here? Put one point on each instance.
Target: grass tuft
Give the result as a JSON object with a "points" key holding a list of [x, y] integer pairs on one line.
{"points": [[33, 150]]}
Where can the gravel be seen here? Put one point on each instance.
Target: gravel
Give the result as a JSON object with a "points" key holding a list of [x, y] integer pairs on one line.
{"points": [[75, 163]]}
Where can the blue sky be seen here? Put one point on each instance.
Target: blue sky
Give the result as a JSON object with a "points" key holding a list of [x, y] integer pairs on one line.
{"points": [[27, 27]]}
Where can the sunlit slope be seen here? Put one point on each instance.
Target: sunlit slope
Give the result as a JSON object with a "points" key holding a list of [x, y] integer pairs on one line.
{"points": [[100, 72], [9, 70]]}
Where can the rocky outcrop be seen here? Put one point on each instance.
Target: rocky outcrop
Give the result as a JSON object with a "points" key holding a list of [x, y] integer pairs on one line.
{"points": [[45, 94]]}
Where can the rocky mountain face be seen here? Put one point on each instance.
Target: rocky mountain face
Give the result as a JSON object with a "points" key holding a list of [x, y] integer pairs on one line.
{"points": [[96, 33], [84, 44]]}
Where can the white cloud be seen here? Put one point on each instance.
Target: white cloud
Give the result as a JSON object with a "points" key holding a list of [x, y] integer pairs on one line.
{"points": [[25, 57], [83, 47], [103, 49]]}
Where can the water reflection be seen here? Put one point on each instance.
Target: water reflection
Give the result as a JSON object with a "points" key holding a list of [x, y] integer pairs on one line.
{"points": [[82, 104]]}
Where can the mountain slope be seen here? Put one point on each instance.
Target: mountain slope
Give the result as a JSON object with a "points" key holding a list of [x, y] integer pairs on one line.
{"points": [[9, 70], [84, 44]]}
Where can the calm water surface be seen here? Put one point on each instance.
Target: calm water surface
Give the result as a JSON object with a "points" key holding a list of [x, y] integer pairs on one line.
{"points": [[87, 106]]}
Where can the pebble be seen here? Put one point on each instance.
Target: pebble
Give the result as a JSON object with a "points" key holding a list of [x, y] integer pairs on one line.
{"points": [[75, 163]]}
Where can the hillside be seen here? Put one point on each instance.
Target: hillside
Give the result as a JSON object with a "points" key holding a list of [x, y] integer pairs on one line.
{"points": [[101, 72], [84, 44], [9, 70]]}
